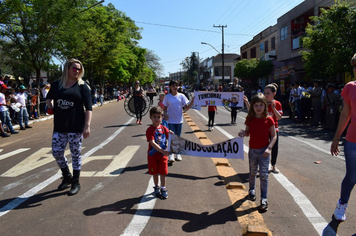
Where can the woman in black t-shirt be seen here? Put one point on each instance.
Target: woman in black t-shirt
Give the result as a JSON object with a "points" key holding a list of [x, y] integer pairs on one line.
{"points": [[137, 94], [68, 96]]}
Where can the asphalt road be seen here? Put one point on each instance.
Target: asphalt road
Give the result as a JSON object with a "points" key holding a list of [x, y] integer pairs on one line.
{"points": [[116, 195]]}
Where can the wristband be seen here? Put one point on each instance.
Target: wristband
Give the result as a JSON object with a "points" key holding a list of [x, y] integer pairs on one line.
{"points": [[336, 139]]}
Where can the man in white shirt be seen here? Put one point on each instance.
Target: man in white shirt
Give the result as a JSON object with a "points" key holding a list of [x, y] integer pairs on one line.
{"points": [[21, 98]]}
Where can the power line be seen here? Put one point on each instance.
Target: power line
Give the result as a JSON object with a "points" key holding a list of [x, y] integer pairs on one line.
{"points": [[185, 28]]}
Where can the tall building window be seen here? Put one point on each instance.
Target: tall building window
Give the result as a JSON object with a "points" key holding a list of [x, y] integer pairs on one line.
{"points": [[266, 46], [244, 55], [273, 43], [253, 52], [284, 33]]}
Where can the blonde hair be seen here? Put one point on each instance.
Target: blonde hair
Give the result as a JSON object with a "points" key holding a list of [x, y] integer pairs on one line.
{"points": [[251, 112], [64, 78], [353, 60]]}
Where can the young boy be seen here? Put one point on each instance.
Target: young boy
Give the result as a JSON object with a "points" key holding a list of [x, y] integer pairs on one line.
{"points": [[157, 155]]}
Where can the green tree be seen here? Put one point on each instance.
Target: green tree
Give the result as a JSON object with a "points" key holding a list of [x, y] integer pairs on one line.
{"points": [[253, 69], [152, 61], [330, 42], [105, 40], [190, 65], [28, 30]]}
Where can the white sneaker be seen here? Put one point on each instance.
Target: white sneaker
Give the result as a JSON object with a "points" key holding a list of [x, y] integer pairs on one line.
{"points": [[340, 210], [171, 158], [209, 128], [212, 128], [178, 157]]}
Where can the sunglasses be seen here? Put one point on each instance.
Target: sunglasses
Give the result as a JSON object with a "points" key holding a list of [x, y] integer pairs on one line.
{"points": [[137, 83], [75, 69]]}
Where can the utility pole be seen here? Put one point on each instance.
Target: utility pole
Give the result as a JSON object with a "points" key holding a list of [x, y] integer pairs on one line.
{"points": [[222, 52]]}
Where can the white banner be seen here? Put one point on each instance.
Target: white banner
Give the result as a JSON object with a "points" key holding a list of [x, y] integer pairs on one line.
{"points": [[232, 99], [232, 148]]}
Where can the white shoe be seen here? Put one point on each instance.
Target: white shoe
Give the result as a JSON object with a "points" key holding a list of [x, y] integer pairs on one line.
{"points": [[209, 128], [178, 157], [171, 158], [212, 128], [340, 210]]}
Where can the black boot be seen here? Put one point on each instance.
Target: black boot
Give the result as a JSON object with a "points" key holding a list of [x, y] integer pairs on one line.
{"points": [[67, 177], [74, 189]]}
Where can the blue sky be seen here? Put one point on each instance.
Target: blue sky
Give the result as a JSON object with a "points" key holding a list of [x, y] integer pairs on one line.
{"points": [[175, 29]]}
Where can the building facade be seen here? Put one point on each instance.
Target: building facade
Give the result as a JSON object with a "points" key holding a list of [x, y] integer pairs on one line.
{"points": [[211, 69]]}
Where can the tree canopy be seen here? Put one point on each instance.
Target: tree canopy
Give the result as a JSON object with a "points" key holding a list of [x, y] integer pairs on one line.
{"points": [[102, 37], [253, 69], [330, 43], [190, 65]]}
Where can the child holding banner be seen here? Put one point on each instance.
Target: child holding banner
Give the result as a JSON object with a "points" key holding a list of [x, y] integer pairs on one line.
{"points": [[260, 127], [157, 155], [173, 112]]}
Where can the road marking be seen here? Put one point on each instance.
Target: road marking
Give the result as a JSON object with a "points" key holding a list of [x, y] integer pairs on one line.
{"points": [[143, 213], [314, 217], [116, 166], [37, 159], [20, 199], [303, 202], [13, 153]]}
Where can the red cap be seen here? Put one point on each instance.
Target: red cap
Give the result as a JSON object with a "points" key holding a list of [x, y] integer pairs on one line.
{"points": [[3, 86]]}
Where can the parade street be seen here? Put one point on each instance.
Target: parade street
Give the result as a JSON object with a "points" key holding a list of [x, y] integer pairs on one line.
{"points": [[207, 196]]}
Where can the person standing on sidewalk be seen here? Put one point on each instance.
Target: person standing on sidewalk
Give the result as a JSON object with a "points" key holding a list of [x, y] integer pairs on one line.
{"points": [[68, 96], [315, 95], [348, 113], [174, 103], [4, 111], [21, 98], [45, 90]]}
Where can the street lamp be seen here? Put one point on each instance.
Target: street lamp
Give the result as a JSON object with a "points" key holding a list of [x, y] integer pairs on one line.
{"points": [[210, 46], [222, 60]]}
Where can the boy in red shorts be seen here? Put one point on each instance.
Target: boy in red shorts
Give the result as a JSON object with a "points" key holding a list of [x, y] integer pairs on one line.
{"points": [[157, 155]]}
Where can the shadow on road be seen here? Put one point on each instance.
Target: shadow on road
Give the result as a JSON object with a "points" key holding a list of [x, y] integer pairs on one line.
{"points": [[331, 228], [34, 201], [195, 222]]}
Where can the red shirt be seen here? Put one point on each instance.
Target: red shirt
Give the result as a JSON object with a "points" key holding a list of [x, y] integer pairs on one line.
{"points": [[160, 136], [259, 132], [349, 95], [271, 112], [211, 108]]}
